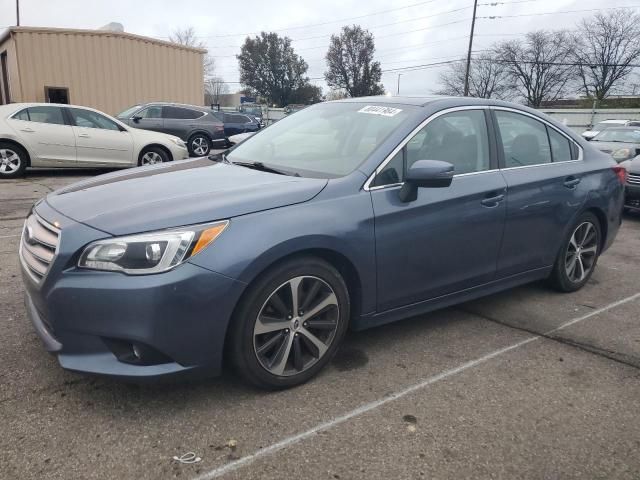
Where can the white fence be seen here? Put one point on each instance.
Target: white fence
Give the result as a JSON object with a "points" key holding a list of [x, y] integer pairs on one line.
{"points": [[582, 119]]}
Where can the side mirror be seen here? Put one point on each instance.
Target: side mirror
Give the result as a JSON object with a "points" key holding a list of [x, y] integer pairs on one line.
{"points": [[136, 119], [425, 174]]}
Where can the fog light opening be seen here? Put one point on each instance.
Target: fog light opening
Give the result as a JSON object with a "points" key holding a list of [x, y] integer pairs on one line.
{"points": [[136, 353]]}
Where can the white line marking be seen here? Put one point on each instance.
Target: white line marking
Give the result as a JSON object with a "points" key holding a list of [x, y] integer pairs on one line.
{"points": [[10, 236], [367, 407]]}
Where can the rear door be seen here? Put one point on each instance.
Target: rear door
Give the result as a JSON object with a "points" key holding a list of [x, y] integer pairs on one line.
{"points": [[180, 121], [448, 239], [100, 140], [543, 172], [47, 134]]}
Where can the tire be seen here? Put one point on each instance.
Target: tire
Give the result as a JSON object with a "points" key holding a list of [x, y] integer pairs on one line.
{"points": [[571, 272], [257, 348], [199, 145], [152, 156], [13, 160]]}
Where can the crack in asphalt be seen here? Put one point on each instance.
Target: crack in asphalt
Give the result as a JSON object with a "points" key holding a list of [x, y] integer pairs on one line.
{"points": [[628, 360]]}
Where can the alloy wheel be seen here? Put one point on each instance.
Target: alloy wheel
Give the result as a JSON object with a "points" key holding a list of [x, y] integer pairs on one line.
{"points": [[581, 252], [200, 146], [151, 158], [296, 326], [9, 161]]}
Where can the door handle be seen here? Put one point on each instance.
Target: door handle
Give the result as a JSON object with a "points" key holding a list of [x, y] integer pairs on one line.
{"points": [[28, 130], [84, 135], [492, 200], [571, 182]]}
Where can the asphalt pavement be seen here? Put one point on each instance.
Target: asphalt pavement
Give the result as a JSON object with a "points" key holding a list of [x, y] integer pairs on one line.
{"points": [[528, 383]]}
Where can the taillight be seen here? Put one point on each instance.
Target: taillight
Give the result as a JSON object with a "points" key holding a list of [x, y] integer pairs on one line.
{"points": [[621, 173]]}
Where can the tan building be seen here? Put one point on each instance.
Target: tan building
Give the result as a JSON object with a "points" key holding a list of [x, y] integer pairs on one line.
{"points": [[106, 70]]}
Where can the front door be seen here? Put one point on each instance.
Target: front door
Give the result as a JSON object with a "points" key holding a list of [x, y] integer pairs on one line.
{"points": [[544, 190], [448, 239], [46, 134], [100, 140]]}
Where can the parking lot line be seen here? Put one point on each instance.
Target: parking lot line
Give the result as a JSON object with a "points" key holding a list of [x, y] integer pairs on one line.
{"points": [[367, 407], [10, 236]]}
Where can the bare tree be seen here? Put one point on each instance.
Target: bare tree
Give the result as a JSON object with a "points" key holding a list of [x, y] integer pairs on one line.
{"points": [[188, 38], [606, 47], [213, 88], [335, 94], [488, 78], [537, 66], [350, 63]]}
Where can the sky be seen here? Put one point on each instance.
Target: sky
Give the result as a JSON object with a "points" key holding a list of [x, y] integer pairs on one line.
{"points": [[407, 33]]}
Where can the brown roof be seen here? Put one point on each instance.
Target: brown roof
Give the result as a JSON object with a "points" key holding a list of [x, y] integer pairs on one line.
{"points": [[106, 33]]}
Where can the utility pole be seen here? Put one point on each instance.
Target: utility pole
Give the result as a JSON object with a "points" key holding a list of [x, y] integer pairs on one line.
{"points": [[17, 13], [473, 25], [399, 75]]}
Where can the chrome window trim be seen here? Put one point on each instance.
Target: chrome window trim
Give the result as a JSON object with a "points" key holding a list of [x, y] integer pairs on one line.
{"points": [[545, 122], [380, 187], [367, 185]]}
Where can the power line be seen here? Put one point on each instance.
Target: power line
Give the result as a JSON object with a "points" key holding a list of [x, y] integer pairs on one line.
{"points": [[493, 17]]}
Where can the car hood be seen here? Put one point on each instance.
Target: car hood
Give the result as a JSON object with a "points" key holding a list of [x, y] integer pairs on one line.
{"points": [[176, 194], [632, 166]]}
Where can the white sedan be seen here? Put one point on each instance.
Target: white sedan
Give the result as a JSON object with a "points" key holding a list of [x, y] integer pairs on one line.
{"points": [[52, 135]]}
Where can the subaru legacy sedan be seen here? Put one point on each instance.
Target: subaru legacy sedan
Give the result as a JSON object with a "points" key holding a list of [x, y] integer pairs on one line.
{"points": [[348, 214]]}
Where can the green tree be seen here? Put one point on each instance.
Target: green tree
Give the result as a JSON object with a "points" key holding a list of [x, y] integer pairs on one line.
{"points": [[350, 63], [270, 67]]}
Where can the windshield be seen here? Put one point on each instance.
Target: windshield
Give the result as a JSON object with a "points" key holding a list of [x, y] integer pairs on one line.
{"points": [[598, 127], [326, 140], [128, 113], [618, 135], [252, 110]]}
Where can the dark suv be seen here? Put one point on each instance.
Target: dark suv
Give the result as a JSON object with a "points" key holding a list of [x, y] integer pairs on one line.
{"points": [[235, 123], [197, 126]]}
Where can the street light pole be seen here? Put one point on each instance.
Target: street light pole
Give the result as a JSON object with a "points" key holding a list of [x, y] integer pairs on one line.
{"points": [[466, 74], [17, 13], [399, 75]]}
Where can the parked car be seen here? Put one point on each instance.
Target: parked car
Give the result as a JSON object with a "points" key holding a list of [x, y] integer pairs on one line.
{"points": [[293, 108], [254, 110], [51, 135], [632, 192], [600, 126], [241, 137], [350, 214], [236, 123], [622, 143], [198, 127]]}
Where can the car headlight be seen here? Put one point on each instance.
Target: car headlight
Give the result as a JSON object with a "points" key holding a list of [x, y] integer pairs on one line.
{"points": [[150, 252], [179, 142], [623, 154]]}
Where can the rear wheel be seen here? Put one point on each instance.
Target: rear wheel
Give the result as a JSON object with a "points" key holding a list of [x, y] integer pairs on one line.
{"points": [[290, 323], [199, 145], [578, 256], [152, 156], [13, 160]]}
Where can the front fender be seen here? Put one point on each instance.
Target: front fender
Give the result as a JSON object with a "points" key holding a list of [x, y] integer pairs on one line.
{"points": [[341, 225]]}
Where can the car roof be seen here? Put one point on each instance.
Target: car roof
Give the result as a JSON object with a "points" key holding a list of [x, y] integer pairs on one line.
{"points": [[623, 129], [621, 122], [173, 104]]}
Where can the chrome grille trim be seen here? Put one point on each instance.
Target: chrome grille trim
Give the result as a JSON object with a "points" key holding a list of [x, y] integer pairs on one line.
{"points": [[38, 247], [633, 178]]}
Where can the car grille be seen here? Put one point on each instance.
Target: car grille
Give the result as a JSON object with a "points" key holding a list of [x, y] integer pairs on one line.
{"points": [[633, 179], [38, 246]]}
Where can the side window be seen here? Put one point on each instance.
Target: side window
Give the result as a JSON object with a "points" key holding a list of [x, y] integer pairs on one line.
{"points": [[178, 113], [150, 112], [46, 115], [560, 146], [392, 173], [238, 119], [459, 138], [524, 140], [89, 119], [22, 115]]}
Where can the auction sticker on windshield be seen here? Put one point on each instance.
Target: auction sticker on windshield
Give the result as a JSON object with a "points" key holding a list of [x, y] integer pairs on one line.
{"points": [[377, 110]]}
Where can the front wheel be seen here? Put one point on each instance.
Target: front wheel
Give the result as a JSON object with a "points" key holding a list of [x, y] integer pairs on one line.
{"points": [[152, 156], [290, 323], [578, 255], [13, 161]]}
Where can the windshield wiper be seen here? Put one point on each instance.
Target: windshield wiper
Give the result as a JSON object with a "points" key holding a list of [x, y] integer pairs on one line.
{"points": [[264, 168]]}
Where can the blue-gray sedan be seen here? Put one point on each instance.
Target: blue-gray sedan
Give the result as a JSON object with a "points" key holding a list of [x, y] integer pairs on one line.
{"points": [[346, 214]]}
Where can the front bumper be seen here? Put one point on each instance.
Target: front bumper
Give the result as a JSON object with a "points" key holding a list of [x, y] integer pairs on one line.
{"points": [[179, 153], [632, 197], [80, 315]]}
